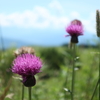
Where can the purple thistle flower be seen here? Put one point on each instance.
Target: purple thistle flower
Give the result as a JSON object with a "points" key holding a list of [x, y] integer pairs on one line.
{"points": [[27, 65], [75, 29]]}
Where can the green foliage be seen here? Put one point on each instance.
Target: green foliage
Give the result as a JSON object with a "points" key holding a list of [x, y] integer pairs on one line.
{"points": [[6, 58], [58, 63], [52, 57]]}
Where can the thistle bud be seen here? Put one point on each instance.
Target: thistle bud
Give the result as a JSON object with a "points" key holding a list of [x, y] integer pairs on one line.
{"points": [[98, 23], [29, 81]]}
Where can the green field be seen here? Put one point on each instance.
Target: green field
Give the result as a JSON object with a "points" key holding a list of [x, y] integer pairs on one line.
{"points": [[55, 75]]}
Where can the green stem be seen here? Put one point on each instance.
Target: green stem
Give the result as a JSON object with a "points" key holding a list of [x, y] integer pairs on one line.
{"points": [[29, 88], [95, 89], [73, 73], [22, 92], [2, 42], [98, 82], [99, 67]]}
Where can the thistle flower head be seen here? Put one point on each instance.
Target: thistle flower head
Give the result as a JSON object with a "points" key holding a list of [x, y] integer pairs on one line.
{"points": [[27, 65], [75, 29]]}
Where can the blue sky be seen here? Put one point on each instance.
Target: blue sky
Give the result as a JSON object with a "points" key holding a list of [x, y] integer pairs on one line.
{"points": [[43, 22]]}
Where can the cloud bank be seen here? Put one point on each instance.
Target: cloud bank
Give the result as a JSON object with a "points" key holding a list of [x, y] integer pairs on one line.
{"points": [[42, 17]]}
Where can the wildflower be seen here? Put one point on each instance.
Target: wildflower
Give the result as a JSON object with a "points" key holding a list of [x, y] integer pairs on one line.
{"points": [[27, 65], [75, 29]]}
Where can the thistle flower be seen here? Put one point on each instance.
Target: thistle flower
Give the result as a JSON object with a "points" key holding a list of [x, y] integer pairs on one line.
{"points": [[27, 65], [75, 29]]}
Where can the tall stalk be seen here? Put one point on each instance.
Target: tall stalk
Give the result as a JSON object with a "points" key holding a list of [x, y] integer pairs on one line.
{"points": [[99, 67], [1, 38], [22, 92], [2, 44], [98, 82], [73, 72], [98, 34], [29, 89], [95, 89]]}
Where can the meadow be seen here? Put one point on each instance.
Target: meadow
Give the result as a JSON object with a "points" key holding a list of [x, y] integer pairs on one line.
{"points": [[55, 76]]}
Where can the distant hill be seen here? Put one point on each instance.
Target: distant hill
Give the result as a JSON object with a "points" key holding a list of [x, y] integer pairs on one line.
{"points": [[56, 39], [12, 43]]}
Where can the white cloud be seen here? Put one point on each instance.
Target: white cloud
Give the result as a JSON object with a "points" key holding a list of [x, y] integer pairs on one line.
{"points": [[55, 5], [41, 17], [90, 23], [75, 14], [26, 19], [4, 20], [89, 26]]}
